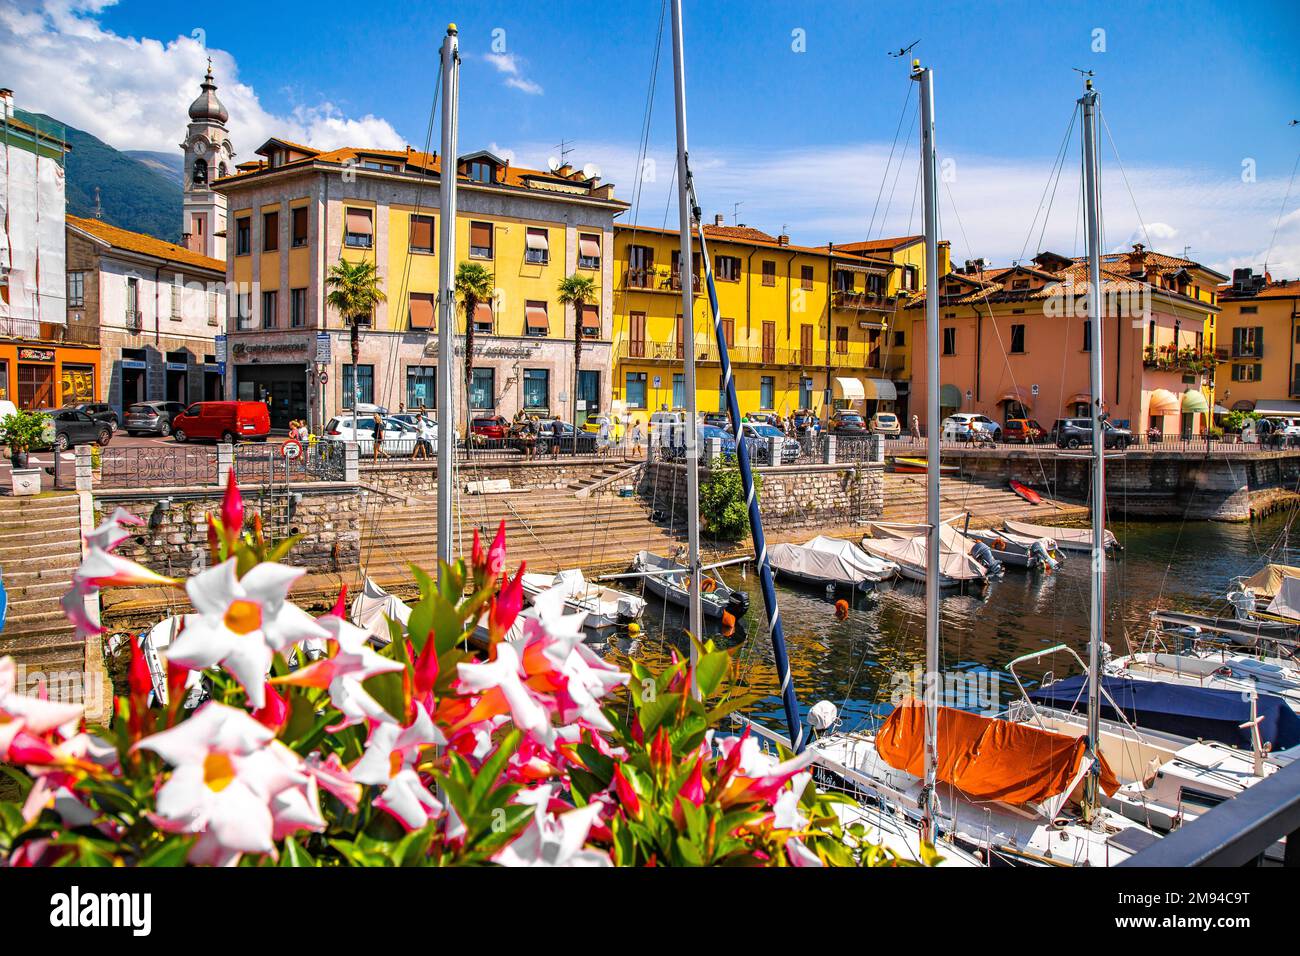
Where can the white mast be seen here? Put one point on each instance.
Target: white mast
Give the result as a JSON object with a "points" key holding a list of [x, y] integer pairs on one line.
{"points": [[447, 290], [687, 271], [929, 802], [1096, 618]]}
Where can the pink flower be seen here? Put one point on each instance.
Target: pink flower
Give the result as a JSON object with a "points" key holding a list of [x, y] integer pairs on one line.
{"points": [[274, 713], [232, 511], [344, 673], [554, 839], [502, 690], [627, 796], [496, 556], [506, 605]]}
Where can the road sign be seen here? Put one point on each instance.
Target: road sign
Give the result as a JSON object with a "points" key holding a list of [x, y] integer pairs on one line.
{"points": [[221, 349], [1033, 389], [323, 348], [291, 449]]}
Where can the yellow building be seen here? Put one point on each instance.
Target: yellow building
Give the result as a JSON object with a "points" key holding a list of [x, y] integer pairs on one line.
{"points": [[806, 327], [297, 211], [1259, 359]]}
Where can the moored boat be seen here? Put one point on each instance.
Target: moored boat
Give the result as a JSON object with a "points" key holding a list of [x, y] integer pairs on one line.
{"points": [[961, 561], [670, 581], [829, 561], [1067, 539], [605, 607], [919, 466]]}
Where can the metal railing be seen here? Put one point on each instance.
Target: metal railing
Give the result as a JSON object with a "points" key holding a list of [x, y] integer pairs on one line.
{"points": [[55, 332], [264, 462], [157, 466]]}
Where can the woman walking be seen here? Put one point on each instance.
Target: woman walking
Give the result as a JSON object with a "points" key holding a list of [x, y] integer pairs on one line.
{"points": [[378, 438]]}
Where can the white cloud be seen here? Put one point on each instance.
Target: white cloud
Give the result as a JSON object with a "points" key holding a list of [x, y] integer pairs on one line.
{"points": [[133, 93], [511, 69]]}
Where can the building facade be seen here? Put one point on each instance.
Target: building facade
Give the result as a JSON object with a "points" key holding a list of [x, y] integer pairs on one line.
{"points": [[209, 155], [1016, 341], [807, 327], [298, 211], [45, 359], [1252, 377], [157, 309]]}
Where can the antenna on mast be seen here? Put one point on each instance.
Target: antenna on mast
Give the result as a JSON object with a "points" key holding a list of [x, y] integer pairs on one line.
{"points": [[904, 50]]}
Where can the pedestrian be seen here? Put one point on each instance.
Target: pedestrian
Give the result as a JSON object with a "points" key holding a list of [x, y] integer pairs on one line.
{"points": [[378, 430], [916, 429], [637, 438], [424, 441], [603, 438]]}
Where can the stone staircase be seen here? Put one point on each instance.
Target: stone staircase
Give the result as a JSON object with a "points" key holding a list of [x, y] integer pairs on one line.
{"points": [[40, 547], [601, 476], [988, 501], [549, 528]]}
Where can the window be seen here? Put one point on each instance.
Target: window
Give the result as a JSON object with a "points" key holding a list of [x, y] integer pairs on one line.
{"points": [[1017, 338], [420, 311], [805, 277], [76, 290], [1248, 342], [1019, 283], [900, 340], [679, 390], [270, 231], [769, 272], [1151, 332], [484, 320], [729, 331], [198, 225], [421, 386], [767, 393], [538, 248], [1245, 373], [536, 321], [842, 339], [299, 227], [769, 343], [421, 237], [950, 341], [200, 172], [244, 311], [876, 284], [268, 310], [358, 385], [243, 236], [481, 172], [78, 385], [590, 320], [640, 267], [806, 345], [178, 298], [634, 394], [728, 268], [1087, 335], [843, 280], [133, 302], [588, 251], [636, 335], [909, 278], [482, 389], [297, 308], [1249, 309], [537, 388], [358, 228], [480, 240]]}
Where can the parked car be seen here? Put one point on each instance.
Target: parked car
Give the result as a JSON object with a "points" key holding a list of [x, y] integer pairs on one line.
{"points": [[151, 418], [968, 426], [847, 423], [706, 432], [399, 436], [1024, 430], [757, 438], [99, 411], [803, 420], [225, 422], [1076, 432], [486, 428], [549, 432], [886, 423], [72, 427], [717, 420]]}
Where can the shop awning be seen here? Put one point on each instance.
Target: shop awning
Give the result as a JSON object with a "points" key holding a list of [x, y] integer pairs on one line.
{"points": [[1220, 410], [881, 389], [1017, 394], [1245, 405], [535, 317], [950, 397], [1277, 406], [1164, 402], [850, 389], [421, 310], [1194, 401], [1080, 398]]}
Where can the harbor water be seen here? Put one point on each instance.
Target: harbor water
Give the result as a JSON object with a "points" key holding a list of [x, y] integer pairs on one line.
{"points": [[860, 662]]}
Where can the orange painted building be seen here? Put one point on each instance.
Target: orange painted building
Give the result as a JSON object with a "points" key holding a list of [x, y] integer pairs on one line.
{"points": [[1016, 340], [38, 372]]}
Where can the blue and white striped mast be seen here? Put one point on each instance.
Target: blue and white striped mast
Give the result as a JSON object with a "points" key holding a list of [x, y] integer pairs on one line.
{"points": [[688, 206]]}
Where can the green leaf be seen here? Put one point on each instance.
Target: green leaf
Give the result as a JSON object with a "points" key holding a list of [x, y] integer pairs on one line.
{"points": [[653, 712], [386, 689], [294, 855], [170, 854], [709, 671]]}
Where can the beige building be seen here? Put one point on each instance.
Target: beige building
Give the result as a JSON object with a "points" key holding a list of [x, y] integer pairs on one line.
{"points": [[1259, 362]]}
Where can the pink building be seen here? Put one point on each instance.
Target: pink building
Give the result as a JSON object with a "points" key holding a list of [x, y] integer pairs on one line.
{"points": [[1015, 341]]}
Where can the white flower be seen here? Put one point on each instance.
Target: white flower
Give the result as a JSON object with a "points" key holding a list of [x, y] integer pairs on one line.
{"points": [[389, 761], [502, 678], [344, 673], [554, 839], [242, 622]]}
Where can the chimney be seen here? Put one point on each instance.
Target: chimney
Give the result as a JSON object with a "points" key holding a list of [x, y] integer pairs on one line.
{"points": [[783, 240], [7, 103], [973, 266], [719, 219], [1241, 279]]}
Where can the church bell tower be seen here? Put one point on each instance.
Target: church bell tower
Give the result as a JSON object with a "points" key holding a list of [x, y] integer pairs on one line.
{"points": [[208, 156]]}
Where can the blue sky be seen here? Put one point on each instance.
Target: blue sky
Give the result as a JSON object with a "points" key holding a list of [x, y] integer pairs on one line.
{"points": [[1191, 91]]}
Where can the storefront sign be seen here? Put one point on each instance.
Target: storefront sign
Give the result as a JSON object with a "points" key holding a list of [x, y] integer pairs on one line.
{"points": [[177, 367], [248, 351], [36, 355], [133, 363]]}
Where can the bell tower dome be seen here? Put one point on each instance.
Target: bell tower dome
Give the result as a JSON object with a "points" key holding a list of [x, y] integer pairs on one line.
{"points": [[209, 156]]}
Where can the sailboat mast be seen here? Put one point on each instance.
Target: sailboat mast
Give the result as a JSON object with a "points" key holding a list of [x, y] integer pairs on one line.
{"points": [[929, 801], [1096, 617], [447, 291], [687, 276]]}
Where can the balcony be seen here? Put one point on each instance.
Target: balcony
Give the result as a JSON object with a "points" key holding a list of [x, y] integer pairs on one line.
{"points": [[863, 301], [53, 332], [659, 280], [706, 353], [1168, 359]]}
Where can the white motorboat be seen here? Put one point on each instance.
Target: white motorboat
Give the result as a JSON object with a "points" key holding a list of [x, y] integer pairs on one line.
{"points": [[670, 581], [1020, 551], [605, 607], [961, 560], [826, 561], [1067, 539]]}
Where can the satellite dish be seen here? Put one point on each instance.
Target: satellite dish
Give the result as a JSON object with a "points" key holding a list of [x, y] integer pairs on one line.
{"points": [[552, 164], [591, 171]]}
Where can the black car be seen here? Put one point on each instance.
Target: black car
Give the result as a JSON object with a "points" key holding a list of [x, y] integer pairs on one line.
{"points": [[99, 411], [547, 436], [848, 423], [717, 420], [1076, 432], [152, 418], [72, 427]]}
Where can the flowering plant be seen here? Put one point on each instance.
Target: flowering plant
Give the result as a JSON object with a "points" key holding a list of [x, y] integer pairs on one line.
{"points": [[314, 748]]}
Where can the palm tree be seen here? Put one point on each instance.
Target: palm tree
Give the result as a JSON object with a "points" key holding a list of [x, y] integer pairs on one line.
{"points": [[354, 292], [577, 291], [473, 285]]}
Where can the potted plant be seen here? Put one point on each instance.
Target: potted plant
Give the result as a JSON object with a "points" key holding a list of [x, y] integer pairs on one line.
{"points": [[21, 431]]}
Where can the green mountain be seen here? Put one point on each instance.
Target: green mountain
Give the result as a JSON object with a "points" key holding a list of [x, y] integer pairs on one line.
{"points": [[132, 194]]}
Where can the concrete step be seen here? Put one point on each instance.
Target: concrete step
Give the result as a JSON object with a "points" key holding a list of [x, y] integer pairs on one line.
{"points": [[37, 588], [51, 568]]}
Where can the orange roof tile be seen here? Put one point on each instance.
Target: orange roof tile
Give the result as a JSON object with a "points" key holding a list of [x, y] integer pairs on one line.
{"points": [[1273, 289], [145, 245]]}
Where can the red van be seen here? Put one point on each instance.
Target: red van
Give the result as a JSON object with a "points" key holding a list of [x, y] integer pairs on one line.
{"points": [[222, 422]]}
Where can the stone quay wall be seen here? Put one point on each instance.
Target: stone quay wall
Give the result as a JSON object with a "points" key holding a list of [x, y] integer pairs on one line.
{"points": [[419, 479]]}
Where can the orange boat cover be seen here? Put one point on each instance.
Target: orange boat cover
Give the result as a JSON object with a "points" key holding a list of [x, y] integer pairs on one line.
{"points": [[987, 759]]}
